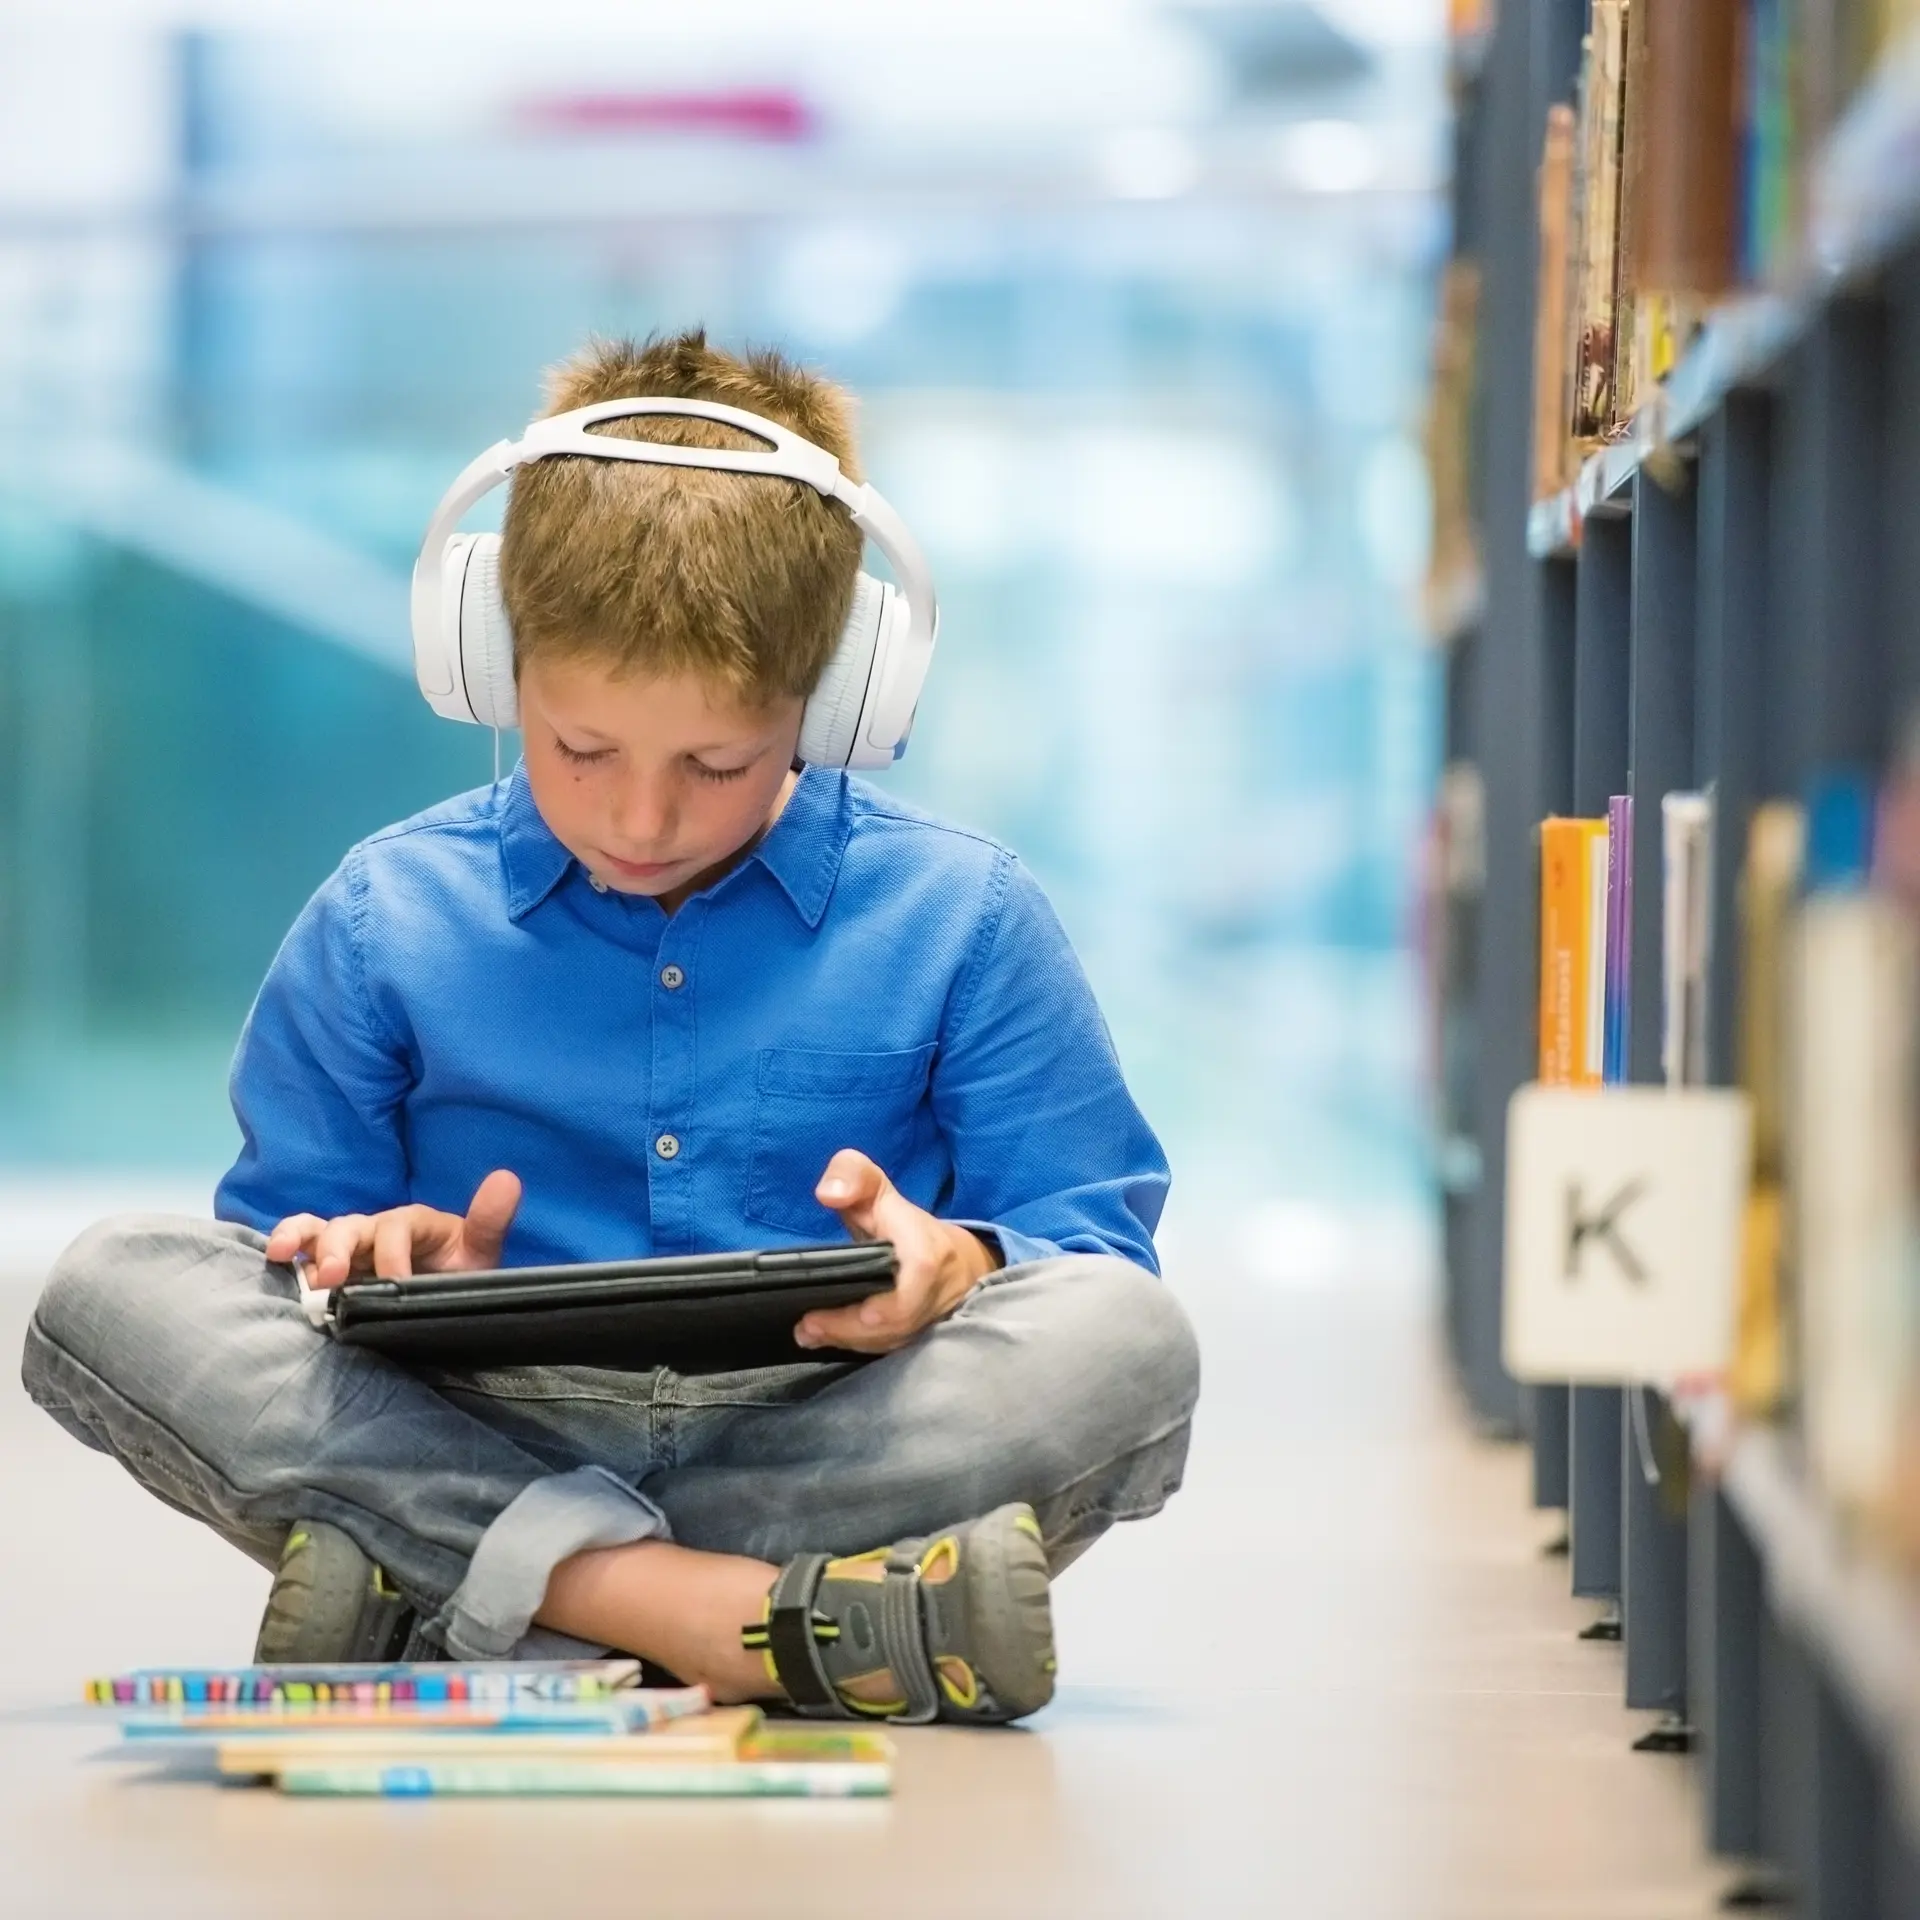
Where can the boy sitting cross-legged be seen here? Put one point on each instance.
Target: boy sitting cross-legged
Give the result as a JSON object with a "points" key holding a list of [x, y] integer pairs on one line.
{"points": [[662, 990]]}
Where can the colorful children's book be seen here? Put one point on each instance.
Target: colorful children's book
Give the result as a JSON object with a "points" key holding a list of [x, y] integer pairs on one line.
{"points": [[1573, 867], [784, 1763], [1619, 982], [719, 1735], [726, 1779], [631, 1712], [364, 1684]]}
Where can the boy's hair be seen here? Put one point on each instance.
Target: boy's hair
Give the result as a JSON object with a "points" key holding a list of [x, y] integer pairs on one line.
{"points": [[743, 578]]}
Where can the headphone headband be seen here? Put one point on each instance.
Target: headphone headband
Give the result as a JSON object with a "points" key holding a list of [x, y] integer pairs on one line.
{"points": [[786, 456]]}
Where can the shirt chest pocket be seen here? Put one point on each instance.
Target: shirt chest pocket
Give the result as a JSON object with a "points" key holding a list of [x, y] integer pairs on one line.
{"points": [[808, 1105]]}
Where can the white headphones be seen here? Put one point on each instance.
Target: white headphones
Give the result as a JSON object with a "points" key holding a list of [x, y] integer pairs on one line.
{"points": [[858, 716]]}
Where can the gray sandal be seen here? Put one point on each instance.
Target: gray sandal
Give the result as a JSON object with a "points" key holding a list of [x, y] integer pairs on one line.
{"points": [[954, 1626], [330, 1602]]}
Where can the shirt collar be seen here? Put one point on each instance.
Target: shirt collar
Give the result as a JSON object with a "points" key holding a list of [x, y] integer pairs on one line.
{"points": [[802, 850], [533, 859]]}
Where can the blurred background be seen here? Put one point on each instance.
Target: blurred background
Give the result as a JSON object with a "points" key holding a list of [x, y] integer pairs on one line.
{"points": [[1137, 300]]}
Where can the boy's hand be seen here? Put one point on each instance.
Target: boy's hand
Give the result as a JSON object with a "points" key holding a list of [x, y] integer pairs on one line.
{"points": [[403, 1240], [940, 1264]]}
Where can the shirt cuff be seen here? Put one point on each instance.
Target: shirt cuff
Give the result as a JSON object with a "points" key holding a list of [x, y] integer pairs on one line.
{"points": [[1015, 1249]]}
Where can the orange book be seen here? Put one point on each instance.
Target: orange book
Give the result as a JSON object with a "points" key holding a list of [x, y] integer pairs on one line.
{"points": [[1573, 867]]}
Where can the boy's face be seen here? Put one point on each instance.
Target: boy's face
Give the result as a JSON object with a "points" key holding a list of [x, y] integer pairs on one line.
{"points": [[652, 784]]}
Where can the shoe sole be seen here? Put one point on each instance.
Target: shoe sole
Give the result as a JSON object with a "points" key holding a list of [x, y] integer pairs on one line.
{"points": [[1010, 1616], [322, 1608]]}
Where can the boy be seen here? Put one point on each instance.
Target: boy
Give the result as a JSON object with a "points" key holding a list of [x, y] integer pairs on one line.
{"points": [[662, 990]]}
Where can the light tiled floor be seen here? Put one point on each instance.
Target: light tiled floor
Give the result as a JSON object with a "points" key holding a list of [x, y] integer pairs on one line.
{"points": [[1334, 1679]]}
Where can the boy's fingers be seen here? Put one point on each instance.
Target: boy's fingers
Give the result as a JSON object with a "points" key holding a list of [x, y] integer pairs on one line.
{"points": [[393, 1244], [489, 1215], [292, 1234], [842, 1327], [852, 1186], [876, 1324], [339, 1245]]}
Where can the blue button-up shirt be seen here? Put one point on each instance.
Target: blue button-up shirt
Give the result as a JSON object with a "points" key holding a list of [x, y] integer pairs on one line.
{"points": [[460, 997]]}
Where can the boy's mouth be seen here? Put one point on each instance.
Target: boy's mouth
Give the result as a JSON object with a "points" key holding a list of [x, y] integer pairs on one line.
{"points": [[638, 869]]}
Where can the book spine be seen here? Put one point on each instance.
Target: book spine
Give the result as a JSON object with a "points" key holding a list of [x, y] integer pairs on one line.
{"points": [[1673, 917], [1561, 880], [1619, 937], [1594, 954], [1686, 239], [1852, 1205], [1595, 315], [1550, 318], [1686, 827], [1625, 395]]}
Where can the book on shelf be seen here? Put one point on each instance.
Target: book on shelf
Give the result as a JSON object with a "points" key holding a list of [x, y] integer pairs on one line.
{"points": [[1685, 229], [1686, 935], [1555, 198], [1594, 248], [1617, 1034], [1469, 19], [1457, 876], [1769, 885], [1630, 299], [1851, 1131], [1573, 882], [1682, 178], [1453, 566]]}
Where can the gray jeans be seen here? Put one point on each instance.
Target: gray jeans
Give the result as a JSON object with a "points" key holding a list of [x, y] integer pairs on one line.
{"points": [[173, 1345]]}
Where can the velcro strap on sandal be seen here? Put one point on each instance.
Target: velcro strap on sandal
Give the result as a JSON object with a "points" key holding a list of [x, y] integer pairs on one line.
{"points": [[796, 1657], [903, 1636]]}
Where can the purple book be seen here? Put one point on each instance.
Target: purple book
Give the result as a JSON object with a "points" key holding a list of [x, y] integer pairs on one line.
{"points": [[1613, 1058]]}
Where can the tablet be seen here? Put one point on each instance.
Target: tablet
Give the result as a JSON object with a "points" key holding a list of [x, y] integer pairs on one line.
{"points": [[695, 1313]]}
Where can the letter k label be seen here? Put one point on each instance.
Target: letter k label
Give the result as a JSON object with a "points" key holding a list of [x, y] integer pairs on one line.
{"points": [[1604, 1227]]}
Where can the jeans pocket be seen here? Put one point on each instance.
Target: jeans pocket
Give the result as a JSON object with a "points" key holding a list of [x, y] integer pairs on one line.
{"points": [[809, 1105]]}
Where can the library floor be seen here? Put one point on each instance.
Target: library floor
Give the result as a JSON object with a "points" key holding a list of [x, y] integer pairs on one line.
{"points": [[1334, 1679]]}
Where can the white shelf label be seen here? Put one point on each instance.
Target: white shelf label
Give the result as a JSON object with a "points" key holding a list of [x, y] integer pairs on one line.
{"points": [[1624, 1215]]}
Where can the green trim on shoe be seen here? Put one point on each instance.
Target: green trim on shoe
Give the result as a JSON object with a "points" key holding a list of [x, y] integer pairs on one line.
{"points": [[330, 1602]]}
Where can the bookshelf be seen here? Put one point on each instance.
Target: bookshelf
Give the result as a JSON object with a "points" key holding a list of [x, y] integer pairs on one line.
{"points": [[1727, 597]]}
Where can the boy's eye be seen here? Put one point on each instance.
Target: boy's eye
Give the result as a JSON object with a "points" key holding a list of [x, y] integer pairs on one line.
{"points": [[579, 758], [706, 772]]}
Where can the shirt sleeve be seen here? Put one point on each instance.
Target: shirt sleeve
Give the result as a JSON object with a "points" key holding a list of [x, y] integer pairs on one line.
{"points": [[317, 1082], [1050, 1153]]}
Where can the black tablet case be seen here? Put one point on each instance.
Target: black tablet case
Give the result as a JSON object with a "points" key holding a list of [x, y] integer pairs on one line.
{"points": [[697, 1313]]}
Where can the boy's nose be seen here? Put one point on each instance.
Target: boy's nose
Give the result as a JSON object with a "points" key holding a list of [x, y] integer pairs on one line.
{"points": [[643, 816]]}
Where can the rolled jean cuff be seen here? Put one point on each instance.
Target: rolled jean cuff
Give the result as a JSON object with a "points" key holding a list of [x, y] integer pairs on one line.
{"points": [[490, 1614]]}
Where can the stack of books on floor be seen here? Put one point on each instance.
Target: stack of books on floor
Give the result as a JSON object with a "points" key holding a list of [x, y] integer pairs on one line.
{"points": [[518, 1729]]}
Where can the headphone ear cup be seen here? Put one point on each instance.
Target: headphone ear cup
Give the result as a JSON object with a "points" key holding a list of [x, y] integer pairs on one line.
{"points": [[830, 730], [486, 638]]}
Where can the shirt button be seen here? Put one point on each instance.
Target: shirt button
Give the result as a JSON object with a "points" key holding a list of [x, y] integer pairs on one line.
{"points": [[597, 884], [667, 1146], [672, 977]]}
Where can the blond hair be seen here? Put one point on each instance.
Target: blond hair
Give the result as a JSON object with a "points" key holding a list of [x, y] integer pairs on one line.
{"points": [[744, 579]]}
